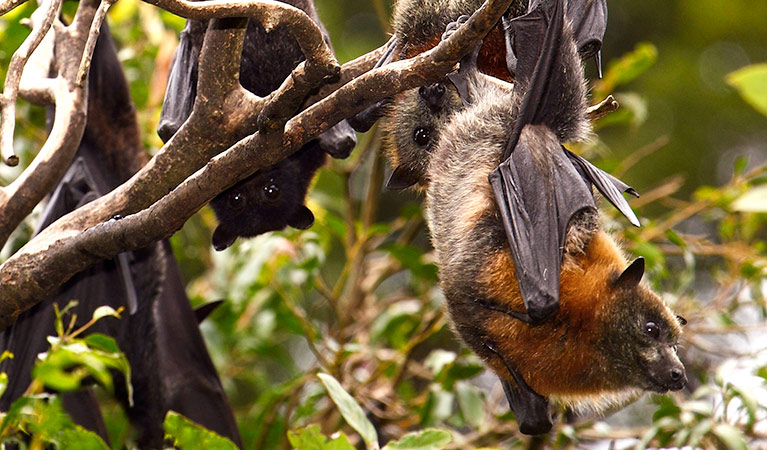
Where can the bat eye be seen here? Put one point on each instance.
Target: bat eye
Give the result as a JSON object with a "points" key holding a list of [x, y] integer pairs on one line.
{"points": [[272, 192], [421, 136], [237, 201], [652, 329]]}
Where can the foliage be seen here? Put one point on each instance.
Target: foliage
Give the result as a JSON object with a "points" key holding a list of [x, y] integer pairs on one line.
{"points": [[39, 417]]}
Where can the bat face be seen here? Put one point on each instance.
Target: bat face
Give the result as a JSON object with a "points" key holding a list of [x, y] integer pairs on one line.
{"points": [[268, 200], [652, 331], [413, 126]]}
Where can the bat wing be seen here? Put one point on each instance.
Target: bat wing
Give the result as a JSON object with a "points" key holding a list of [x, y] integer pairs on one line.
{"points": [[107, 283], [182, 81], [610, 187], [537, 191], [589, 20]]}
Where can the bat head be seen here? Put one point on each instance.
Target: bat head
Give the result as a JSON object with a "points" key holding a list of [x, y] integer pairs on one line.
{"points": [[413, 127], [268, 200], [643, 335]]}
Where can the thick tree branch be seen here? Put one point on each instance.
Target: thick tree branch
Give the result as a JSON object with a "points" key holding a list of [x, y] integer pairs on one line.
{"points": [[81, 240], [269, 13]]}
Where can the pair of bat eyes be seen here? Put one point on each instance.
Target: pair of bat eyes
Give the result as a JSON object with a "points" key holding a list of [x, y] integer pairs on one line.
{"points": [[270, 192], [422, 136]]}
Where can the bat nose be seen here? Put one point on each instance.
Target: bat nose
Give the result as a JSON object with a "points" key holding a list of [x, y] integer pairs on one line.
{"points": [[678, 378]]}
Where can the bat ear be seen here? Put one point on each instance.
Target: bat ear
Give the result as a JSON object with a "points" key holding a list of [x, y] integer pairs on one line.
{"points": [[632, 275], [302, 219], [222, 239], [202, 312], [401, 178]]}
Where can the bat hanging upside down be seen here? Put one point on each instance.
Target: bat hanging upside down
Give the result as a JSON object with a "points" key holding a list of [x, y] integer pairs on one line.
{"points": [[533, 285]]}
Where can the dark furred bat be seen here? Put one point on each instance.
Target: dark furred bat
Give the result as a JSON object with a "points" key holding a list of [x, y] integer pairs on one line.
{"points": [[159, 334], [267, 60], [268, 200], [605, 337]]}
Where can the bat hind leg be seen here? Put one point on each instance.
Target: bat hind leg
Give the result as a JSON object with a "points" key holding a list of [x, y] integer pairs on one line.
{"points": [[530, 408]]}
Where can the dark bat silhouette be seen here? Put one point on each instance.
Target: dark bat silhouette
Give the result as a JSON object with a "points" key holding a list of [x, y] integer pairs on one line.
{"points": [[267, 59], [159, 331]]}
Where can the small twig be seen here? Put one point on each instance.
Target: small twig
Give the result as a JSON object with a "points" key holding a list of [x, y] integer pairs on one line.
{"points": [[9, 5], [602, 108], [93, 36], [660, 192], [42, 20], [641, 153]]}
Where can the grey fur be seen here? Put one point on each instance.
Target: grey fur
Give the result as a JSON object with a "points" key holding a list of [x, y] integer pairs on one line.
{"points": [[409, 114]]}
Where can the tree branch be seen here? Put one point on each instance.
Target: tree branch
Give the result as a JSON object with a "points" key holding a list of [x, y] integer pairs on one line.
{"points": [[42, 20], [19, 198], [82, 238], [9, 5]]}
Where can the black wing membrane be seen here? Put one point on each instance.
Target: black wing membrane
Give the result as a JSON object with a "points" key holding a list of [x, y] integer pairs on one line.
{"points": [[539, 185], [182, 81], [536, 202], [589, 20], [536, 187], [609, 186]]}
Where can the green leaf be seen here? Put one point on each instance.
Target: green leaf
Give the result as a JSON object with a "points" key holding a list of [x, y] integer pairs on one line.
{"points": [[629, 67], [350, 409], [102, 342], [730, 436], [438, 359], [471, 404], [3, 382], [105, 311], [188, 435], [751, 83], [44, 417], [311, 438], [6, 355], [429, 439], [438, 407], [753, 200]]}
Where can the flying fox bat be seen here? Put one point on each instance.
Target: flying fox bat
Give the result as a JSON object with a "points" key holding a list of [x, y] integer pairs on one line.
{"points": [[532, 234], [267, 59], [268, 200], [158, 333]]}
